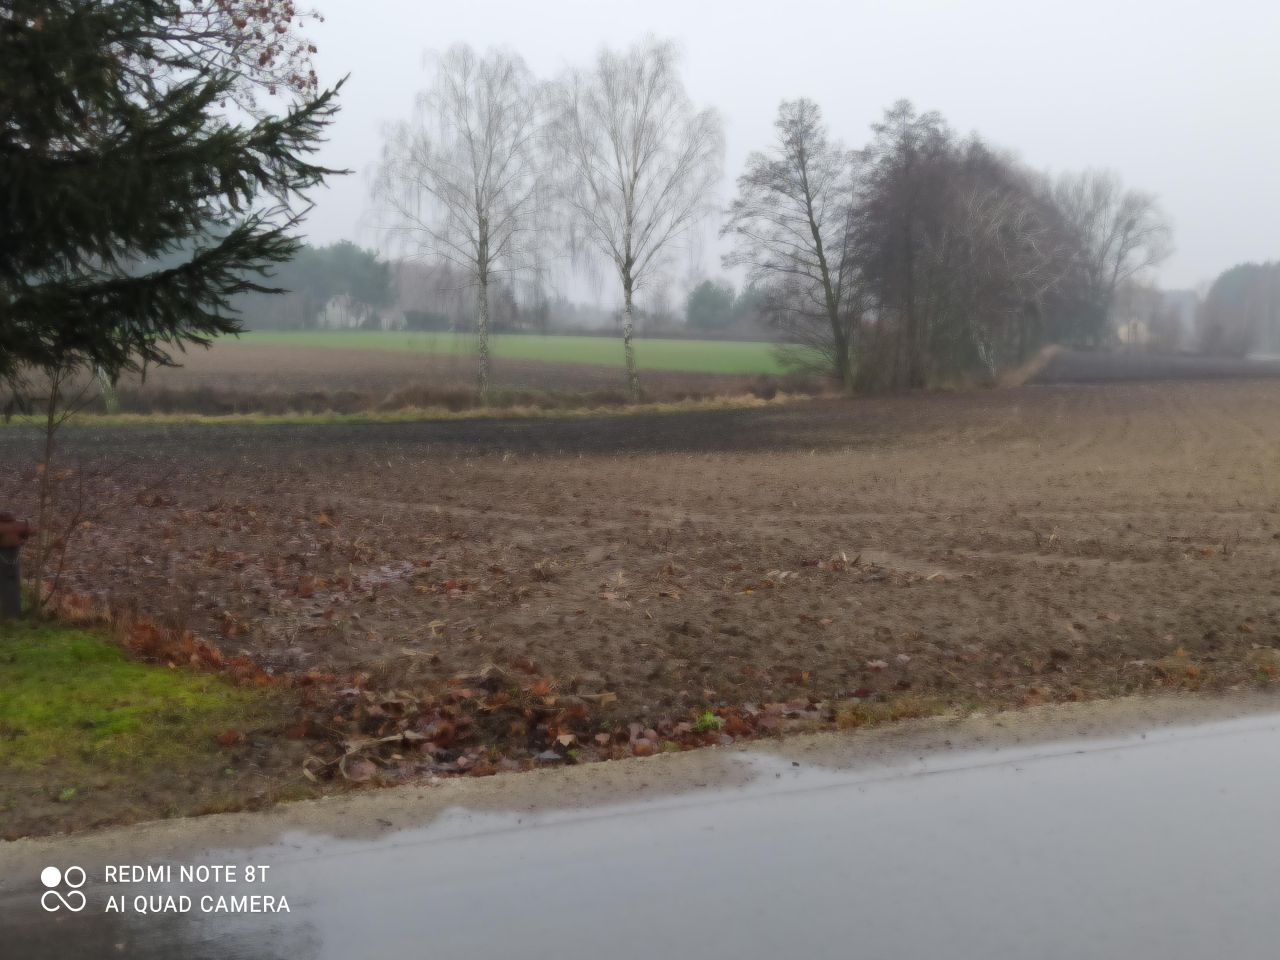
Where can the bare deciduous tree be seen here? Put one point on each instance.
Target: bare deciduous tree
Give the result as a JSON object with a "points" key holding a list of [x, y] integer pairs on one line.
{"points": [[261, 43], [1119, 233], [928, 257], [791, 224], [638, 164], [460, 180], [989, 264], [960, 248]]}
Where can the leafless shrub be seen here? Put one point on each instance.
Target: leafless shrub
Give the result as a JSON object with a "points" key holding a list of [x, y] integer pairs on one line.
{"points": [[62, 504], [1119, 233]]}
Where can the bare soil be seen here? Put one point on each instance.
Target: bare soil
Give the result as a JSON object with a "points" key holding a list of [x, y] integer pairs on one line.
{"points": [[869, 558]]}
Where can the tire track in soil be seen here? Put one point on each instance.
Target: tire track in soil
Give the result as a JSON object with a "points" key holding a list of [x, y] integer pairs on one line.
{"points": [[1145, 476]]}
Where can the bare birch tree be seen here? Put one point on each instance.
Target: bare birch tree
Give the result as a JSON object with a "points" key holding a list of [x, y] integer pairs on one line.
{"points": [[460, 180], [1119, 232], [791, 224], [637, 164]]}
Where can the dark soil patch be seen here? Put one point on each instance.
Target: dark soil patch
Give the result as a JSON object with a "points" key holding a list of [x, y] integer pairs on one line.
{"points": [[1079, 366], [241, 377]]}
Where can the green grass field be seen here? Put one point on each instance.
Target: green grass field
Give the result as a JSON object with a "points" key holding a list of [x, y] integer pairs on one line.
{"points": [[693, 356]]}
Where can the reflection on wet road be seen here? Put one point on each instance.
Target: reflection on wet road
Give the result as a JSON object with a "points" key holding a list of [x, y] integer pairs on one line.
{"points": [[1163, 846]]}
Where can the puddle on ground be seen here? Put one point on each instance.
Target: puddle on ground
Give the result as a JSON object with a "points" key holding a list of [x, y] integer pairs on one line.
{"points": [[1160, 845]]}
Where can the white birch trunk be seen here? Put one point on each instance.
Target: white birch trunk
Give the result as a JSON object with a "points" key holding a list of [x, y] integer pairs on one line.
{"points": [[628, 348], [482, 329]]}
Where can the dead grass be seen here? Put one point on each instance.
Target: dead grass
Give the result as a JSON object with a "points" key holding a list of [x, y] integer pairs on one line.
{"points": [[1028, 371], [239, 378], [871, 713], [415, 414]]}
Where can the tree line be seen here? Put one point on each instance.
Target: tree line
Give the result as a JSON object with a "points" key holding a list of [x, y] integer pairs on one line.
{"points": [[926, 256], [922, 256], [314, 279], [344, 285], [1241, 311]]}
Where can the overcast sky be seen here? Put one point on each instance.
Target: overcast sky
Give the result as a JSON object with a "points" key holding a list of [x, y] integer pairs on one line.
{"points": [[1180, 98]]}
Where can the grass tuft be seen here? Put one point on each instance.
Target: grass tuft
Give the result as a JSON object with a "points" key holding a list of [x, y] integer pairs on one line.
{"points": [[869, 713], [72, 698]]}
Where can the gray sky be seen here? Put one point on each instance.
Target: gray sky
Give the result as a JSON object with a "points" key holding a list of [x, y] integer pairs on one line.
{"points": [[1180, 98]]}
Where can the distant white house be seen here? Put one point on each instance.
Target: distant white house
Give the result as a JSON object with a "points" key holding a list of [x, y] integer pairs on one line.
{"points": [[1162, 319], [343, 313]]}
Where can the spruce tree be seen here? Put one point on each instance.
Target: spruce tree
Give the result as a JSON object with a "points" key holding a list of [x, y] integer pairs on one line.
{"points": [[135, 199]]}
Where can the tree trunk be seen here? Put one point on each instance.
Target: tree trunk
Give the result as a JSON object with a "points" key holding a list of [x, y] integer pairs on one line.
{"points": [[843, 356], [110, 397], [628, 348], [44, 496], [482, 331], [912, 374], [10, 584]]}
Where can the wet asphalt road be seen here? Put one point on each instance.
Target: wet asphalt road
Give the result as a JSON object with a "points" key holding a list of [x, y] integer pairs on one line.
{"points": [[1161, 845]]}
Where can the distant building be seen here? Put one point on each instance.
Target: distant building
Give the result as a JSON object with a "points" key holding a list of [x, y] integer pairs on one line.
{"points": [[1155, 319], [343, 313], [1181, 306]]}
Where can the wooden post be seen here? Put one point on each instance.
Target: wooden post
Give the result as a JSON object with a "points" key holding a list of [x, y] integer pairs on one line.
{"points": [[10, 584], [13, 534]]}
